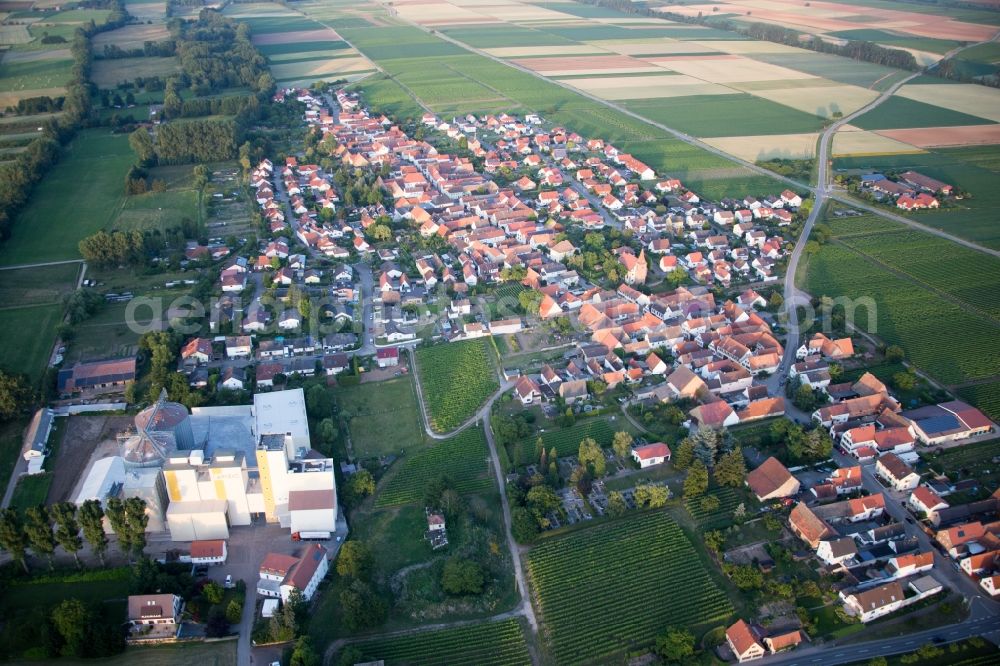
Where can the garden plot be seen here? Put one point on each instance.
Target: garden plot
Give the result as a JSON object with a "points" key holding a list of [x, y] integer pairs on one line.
{"points": [[645, 87], [754, 148], [967, 98], [940, 137]]}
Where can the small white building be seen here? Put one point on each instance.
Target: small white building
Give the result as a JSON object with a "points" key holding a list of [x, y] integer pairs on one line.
{"points": [[651, 454], [211, 551], [896, 473]]}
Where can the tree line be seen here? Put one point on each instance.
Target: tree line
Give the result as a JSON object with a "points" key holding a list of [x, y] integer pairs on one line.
{"points": [[43, 529]]}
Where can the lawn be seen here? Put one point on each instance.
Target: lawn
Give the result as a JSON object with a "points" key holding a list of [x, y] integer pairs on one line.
{"points": [[43, 285], [456, 379], [31, 490], [727, 115], [383, 417], [463, 458], [29, 334], [487, 644], [610, 588], [11, 441], [222, 653], [158, 211], [78, 196]]}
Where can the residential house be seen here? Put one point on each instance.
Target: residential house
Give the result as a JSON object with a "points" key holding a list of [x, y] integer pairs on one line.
{"points": [[574, 391], [388, 357], [809, 527], [743, 641], [233, 379], [280, 574], [873, 603], [925, 502], [649, 455], [527, 391], [772, 480], [240, 346], [160, 612], [896, 473]]}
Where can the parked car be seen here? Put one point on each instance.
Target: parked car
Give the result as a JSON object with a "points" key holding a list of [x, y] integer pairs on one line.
{"points": [[229, 582]]}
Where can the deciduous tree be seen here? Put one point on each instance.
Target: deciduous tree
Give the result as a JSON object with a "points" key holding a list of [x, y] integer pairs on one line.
{"points": [[92, 521]]}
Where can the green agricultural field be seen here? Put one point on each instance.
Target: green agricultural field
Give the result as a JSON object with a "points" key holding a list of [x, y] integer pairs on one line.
{"points": [[463, 458], [984, 396], [456, 379], [941, 46], [78, 196], [836, 68], [34, 74], [567, 440], [727, 115], [269, 50], [29, 334], [487, 644], [383, 417], [158, 211], [489, 37], [903, 113], [909, 315], [444, 76], [972, 218], [971, 277], [610, 588]]}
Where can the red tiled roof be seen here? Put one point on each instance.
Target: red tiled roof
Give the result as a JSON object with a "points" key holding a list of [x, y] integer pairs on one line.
{"points": [[210, 548], [657, 450]]}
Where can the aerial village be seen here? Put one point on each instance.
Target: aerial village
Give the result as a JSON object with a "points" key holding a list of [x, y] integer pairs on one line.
{"points": [[652, 290]]}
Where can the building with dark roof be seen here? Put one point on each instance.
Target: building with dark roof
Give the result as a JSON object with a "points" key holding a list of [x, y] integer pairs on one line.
{"points": [[97, 377]]}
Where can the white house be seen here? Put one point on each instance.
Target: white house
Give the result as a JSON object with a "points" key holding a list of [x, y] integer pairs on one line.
{"points": [[896, 473], [159, 611], [743, 642], [925, 502], [213, 551], [239, 346], [651, 454], [837, 551], [290, 320], [281, 574]]}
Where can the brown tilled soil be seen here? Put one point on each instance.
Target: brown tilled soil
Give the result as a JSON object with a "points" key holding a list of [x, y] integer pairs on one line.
{"points": [[83, 436]]}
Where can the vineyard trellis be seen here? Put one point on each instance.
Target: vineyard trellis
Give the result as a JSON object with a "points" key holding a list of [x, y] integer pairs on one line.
{"points": [[487, 644], [456, 379], [613, 587], [462, 458]]}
